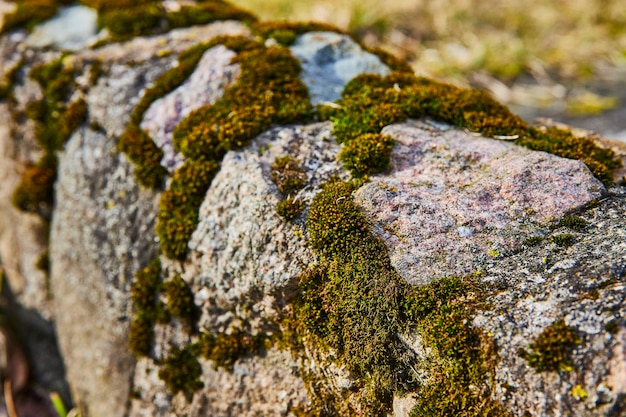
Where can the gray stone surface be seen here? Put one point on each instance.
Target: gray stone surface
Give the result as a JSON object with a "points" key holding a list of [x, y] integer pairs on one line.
{"points": [[329, 60], [453, 202], [103, 231], [73, 28], [214, 73], [582, 284]]}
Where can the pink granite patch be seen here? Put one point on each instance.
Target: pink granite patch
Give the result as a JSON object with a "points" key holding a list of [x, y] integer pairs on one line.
{"points": [[454, 202], [213, 75]]}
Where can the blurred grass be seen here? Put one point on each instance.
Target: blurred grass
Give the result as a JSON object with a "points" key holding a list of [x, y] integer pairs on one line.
{"points": [[552, 41]]}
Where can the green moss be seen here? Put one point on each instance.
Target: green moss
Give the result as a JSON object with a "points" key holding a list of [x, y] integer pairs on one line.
{"points": [[225, 349], [370, 102], [367, 154], [206, 12], [287, 175], [289, 208], [354, 304], [551, 350], [179, 205], [268, 91], [612, 327], [148, 309], [285, 33], [141, 335], [124, 23], [146, 155], [575, 223], [532, 241], [29, 13], [35, 192], [181, 371], [180, 302], [564, 239], [55, 120]]}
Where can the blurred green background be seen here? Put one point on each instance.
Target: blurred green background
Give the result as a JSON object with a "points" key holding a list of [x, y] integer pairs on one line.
{"points": [[563, 58]]}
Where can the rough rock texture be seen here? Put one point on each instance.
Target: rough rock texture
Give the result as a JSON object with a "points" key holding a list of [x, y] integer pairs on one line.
{"points": [[269, 385], [93, 265], [206, 85], [582, 284], [329, 60], [453, 202]]}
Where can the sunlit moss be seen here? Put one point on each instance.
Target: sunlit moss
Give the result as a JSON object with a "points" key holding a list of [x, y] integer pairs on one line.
{"points": [[551, 350], [225, 349], [354, 304]]}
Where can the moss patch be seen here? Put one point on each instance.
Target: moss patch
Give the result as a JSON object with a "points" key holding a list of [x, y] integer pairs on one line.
{"points": [[370, 102], [225, 349], [575, 223], [181, 371], [148, 309], [354, 305], [564, 239], [551, 350], [126, 19], [289, 178], [180, 302], [55, 120], [268, 91]]}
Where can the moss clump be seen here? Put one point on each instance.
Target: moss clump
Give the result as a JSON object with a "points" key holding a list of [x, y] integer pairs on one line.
{"points": [[532, 241], [141, 334], [181, 371], [35, 192], [575, 223], [179, 205], [564, 239], [29, 13], [148, 309], [369, 102], [54, 123], [289, 208], [141, 150], [206, 12], [225, 349], [128, 22], [180, 301], [612, 327], [268, 91], [354, 304], [551, 350], [285, 33], [287, 175], [127, 19], [367, 154]]}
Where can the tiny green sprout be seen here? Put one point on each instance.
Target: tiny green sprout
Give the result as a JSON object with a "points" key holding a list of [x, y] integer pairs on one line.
{"points": [[57, 402]]}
